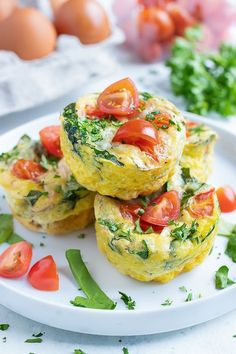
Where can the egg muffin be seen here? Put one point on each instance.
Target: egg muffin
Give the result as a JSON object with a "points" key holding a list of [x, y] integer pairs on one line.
{"points": [[122, 143], [198, 150], [41, 190], [157, 237]]}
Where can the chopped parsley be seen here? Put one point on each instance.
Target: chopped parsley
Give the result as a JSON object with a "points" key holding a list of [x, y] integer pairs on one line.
{"points": [[129, 302], [221, 278], [144, 252], [189, 297], [33, 196], [146, 96], [79, 351], [183, 289], [125, 350], [4, 326], [33, 340], [152, 115], [185, 232], [112, 226], [167, 302]]}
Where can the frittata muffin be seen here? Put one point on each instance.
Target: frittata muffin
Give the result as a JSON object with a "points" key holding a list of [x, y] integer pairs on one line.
{"points": [[157, 237], [198, 150], [40, 189], [122, 143]]}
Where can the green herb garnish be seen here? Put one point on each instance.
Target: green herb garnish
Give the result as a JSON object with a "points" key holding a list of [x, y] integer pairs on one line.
{"points": [[184, 232], [14, 238], [221, 278], [146, 96], [183, 289], [125, 350], [167, 302], [79, 351], [33, 340], [95, 297], [189, 297], [4, 326], [129, 302], [144, 252], [33, 196], [6, 227]]}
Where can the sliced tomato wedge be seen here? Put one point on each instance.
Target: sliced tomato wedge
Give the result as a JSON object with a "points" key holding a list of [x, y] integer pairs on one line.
{"points": [[27, 169], [43, 275], [120, 98], [227, 199], [139, 133], [15, 260], [203, 204], [50, 138], [145, 226], [162, 209]]}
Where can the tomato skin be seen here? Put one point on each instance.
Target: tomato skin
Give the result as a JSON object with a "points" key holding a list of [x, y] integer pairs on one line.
{"points": [[120, 98], [50, 138], [202, 204], [166, 208], [181, 17], [27, 169], [162, 119], [227, 199], [15, 260], [159, 20], [43, 275], [139, 133]]}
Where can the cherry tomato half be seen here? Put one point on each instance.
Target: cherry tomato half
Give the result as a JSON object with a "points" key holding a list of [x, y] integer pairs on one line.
{"points": [[27, 169], [139, 133], [43, 275], [181, 17], [120, 98], [15, 260], [50, 138], [202, 204], [162, 209], [227, 199]]}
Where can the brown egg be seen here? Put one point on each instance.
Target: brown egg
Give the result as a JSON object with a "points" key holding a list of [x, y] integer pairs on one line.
{"points": [[55, 4], [28, 33], [85, 19], [6, 8]]}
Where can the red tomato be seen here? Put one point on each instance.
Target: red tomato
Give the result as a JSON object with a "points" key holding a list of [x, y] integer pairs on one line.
{"points": [[161, 21], [181, 18], [162, 119], [120, 98], [15, 260], [227, 199], [145, 226], [50, 138], [162, 209], [43, 275], [27, 169], [202, 204], [139, 133], [189, 126], [94, 112]]}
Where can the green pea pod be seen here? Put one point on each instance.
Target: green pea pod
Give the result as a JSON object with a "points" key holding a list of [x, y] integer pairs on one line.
{"points": [[96, 298]]}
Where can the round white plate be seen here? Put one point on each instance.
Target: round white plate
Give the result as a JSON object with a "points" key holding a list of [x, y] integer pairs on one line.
{"points": [[149, 316]]}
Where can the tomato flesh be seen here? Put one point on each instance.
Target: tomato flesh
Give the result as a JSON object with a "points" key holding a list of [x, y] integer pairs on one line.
{"points": [[139, 133], [120, 98], [163, 209], [227, 199], [15, 260], [50, 138], [203, 204], [27, 169], [181, 18], [43, 275]]}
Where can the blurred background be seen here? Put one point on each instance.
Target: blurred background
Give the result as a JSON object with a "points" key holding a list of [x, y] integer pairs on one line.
{"points": [[51, 51]]}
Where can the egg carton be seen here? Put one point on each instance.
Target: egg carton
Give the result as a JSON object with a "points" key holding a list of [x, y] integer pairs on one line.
{"points": [[25, 84]]}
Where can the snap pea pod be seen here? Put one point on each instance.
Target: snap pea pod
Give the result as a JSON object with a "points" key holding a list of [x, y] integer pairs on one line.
{"points": [[95, 297]]}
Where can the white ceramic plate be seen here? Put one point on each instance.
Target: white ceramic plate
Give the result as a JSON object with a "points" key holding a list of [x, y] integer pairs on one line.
{"points": [[54, 308]]}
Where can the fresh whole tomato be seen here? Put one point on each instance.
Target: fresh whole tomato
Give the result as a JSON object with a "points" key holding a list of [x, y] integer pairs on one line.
{"points": [[120, 98], [50, 138], [43, 275], [15, 260], [27, 169], [227, 199]]}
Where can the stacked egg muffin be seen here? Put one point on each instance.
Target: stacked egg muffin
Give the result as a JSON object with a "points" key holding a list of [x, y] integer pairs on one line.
{"points": [[145, 165]]}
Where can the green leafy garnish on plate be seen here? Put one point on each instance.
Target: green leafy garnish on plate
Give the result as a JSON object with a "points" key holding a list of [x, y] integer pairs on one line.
{"points": [[228, 230], [79, 351], [221, 278], [167, 302], [4, 326], [129, 302], [6, 227], [33, 340], [95, 297], [125, 350]]}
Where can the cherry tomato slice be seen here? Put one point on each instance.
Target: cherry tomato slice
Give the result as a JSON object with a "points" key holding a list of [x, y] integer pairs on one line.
{"points": [[227, 199], [27, 169], [181, 17], [145, 226], [120, 98], [202, 204], [43, 275], [15, 260], [139, 133], [162, 209], [50, 138]]}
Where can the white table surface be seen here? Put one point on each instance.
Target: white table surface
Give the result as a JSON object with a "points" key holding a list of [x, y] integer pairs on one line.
{"points": [[213, 337]]}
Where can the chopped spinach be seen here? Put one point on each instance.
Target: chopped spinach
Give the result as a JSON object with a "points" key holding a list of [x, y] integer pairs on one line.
{"points": [[185, 232], [104, 154], [144, 252], [129, 302], [33, 196]]}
